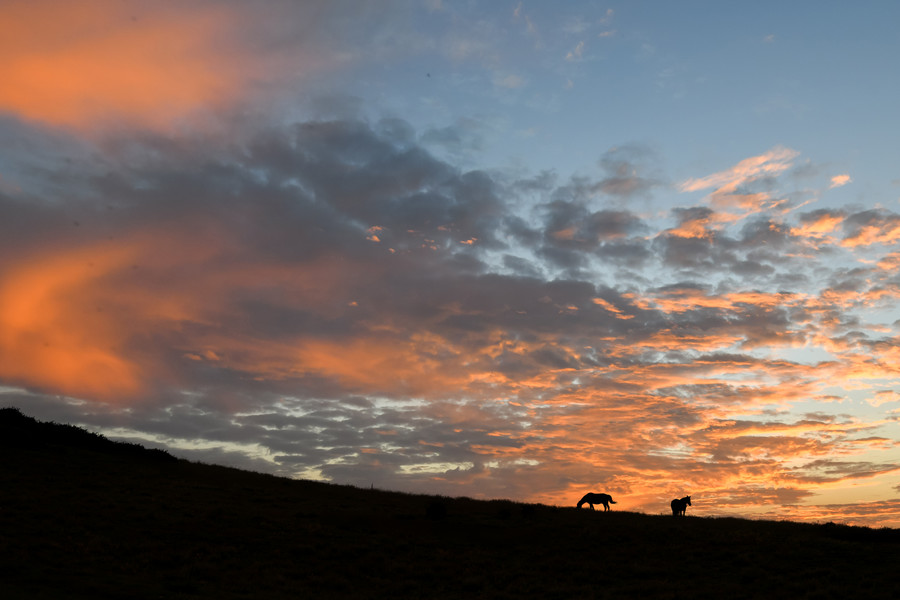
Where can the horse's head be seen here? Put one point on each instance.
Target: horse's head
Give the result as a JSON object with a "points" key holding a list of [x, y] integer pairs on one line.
{"points": [[688, 500]]}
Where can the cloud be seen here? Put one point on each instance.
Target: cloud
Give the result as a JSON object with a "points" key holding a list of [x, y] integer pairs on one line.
{"points": [[774, 161], [158, 65], [204, 246], [730, 187], [459, 140], [630, 171], [572, 233], [884, 396], [150, 65], [819, 223], [839, 181], [68, 309], [871, 227], [332, 299], [576, 53]]}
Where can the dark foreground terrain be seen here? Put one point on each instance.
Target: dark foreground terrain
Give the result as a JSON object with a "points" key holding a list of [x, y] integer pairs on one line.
{"points": [[84, 517]]}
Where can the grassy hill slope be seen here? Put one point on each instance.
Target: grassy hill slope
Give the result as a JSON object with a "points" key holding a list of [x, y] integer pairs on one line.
{"points": [[84, 517]]}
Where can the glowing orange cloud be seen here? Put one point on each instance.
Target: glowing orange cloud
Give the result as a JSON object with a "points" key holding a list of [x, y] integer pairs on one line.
{"points": [[609, 307], [882, 233], [413, 366], [69, 317], [70, 320], [820, 229], [772, 162], [681, 300], [53, 335], [727, 183], [75, 63]]}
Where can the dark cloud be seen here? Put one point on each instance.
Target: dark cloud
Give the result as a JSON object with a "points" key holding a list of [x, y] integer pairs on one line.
{"points": [[765, 233], [573, 235], [631, 171], [816, 216], [460, 141]]}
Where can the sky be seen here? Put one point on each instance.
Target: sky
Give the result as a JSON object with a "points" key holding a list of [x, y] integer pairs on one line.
{"points": [[518, 250]]}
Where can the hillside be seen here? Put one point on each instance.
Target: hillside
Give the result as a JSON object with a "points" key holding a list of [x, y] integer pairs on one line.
{"points": [[85, 517]]}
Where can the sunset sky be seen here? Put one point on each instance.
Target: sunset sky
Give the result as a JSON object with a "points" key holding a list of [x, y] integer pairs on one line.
{"points": [[516, 250]]}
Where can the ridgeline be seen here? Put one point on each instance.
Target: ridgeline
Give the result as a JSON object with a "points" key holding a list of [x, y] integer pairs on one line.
{"points": [[85, 517]]}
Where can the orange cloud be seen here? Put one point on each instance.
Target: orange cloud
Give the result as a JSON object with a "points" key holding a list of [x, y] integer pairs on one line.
{"points": [[695, 228], [884, 396], [839, 181], [772, 162], [890, 262], [684, 299], [886, 232], [78, 63], [53, 333], [71, 321], [413, 367], [819, 228], [726, 183], [611, 308]]}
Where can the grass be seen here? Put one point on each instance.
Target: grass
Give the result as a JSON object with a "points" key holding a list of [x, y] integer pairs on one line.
{"points": [[84, 517]]}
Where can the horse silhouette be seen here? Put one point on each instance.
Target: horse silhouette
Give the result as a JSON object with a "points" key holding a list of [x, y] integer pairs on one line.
{"points": [[591, 499], [679, 507]]}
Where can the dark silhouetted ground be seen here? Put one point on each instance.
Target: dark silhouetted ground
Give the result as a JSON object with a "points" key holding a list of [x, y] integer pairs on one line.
{"points": [[84, 517]]}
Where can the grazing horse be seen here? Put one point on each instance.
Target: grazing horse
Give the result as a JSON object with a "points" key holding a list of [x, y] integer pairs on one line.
{"points": [[679, 507], [591, 499]]}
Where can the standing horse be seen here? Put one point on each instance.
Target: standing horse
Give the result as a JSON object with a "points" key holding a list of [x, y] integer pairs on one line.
{"points": [[591, 499], [679, 507]]}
